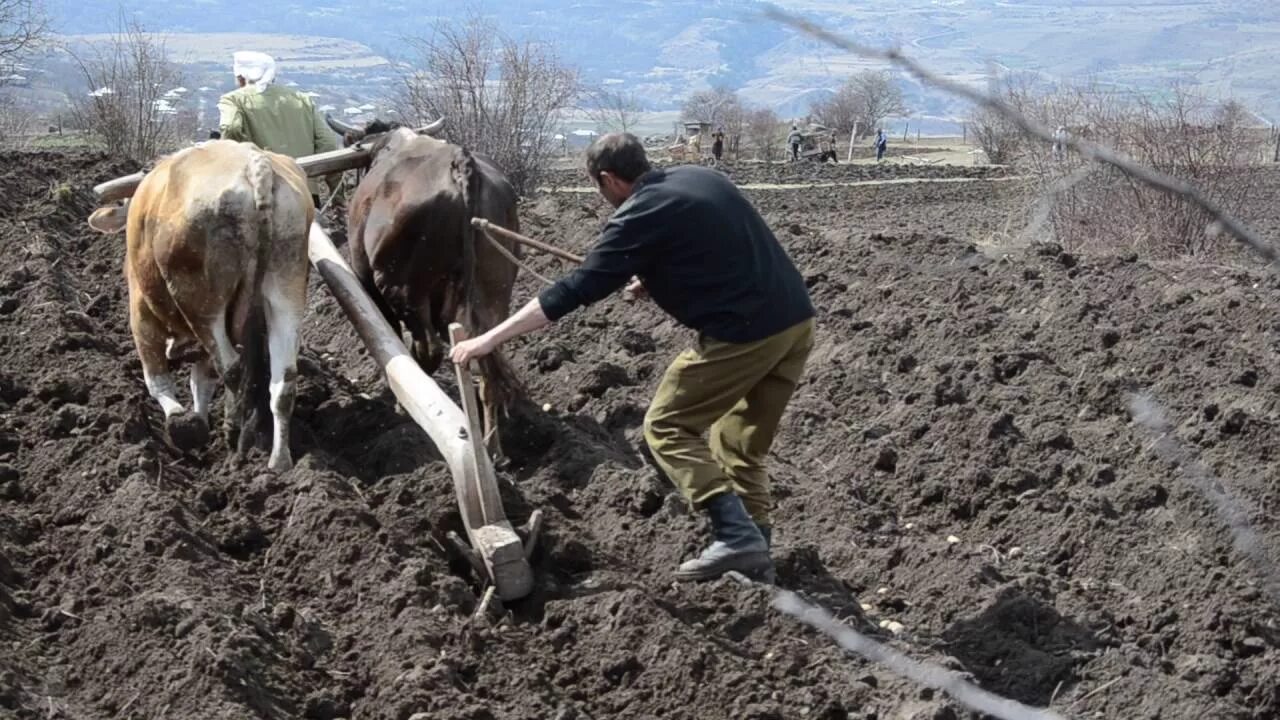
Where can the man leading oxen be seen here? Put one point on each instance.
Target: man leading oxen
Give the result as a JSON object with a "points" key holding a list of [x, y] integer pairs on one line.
{"points": [[217, 255], [416, 253]]}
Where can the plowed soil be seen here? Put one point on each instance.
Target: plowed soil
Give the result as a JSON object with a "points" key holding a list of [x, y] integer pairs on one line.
{"points": [[961, 459]]}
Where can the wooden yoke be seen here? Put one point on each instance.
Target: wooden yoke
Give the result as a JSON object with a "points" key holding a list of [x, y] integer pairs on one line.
{"points": [[455, 432], [318, 165], [321, 164]]}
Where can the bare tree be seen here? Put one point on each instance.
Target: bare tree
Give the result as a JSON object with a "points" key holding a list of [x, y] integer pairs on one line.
{"points": [[16, 123], [718, 106], [501, 97], [23, 26], [722, 108], [614, 109], [1232, 115], [879, 97], [763, 129], [125, 103], [1000, 139], [862, 102], [841, 112]]}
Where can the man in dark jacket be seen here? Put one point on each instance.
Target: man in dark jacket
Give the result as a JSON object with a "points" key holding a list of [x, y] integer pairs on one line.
{"points": [[706, 257]]}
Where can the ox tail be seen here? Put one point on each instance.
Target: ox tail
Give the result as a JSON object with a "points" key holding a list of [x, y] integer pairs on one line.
{"points": [[502, 384], [255, 381]]}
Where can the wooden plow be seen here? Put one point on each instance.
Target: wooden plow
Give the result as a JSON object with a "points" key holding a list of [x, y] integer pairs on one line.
{"points": [[496, 550]]}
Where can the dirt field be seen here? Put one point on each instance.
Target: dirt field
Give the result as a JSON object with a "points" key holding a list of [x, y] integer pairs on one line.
{"points": [[815, 172], [953, 392]]}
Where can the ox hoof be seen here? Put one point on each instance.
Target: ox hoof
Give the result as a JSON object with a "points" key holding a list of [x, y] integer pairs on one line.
{"points": [[187, 431], [280, 465]]}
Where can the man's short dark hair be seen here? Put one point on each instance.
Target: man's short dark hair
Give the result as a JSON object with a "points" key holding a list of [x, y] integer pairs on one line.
{"points": [[621, 154]]}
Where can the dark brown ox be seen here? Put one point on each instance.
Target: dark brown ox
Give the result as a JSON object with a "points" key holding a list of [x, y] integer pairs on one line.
{"points": [[416, 252], [217, 257]]}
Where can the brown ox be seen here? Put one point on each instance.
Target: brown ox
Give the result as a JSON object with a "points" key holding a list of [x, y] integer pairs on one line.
{"points": [[217, 257], [415, 251]]}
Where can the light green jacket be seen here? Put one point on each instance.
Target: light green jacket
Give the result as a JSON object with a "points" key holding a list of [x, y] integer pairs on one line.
{"points": [[277, 119]]}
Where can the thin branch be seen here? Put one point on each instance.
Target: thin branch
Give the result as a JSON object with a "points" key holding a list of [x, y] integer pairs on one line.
{"points": [[1223, 221], [23, 26]]}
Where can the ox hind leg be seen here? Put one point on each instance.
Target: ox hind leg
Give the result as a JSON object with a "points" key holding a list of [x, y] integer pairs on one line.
{"points": [[220, 360], [220, 364], [491, 412], [204, 380], [284, 300], [428, 346], [494, 382], [498, 381], [186, 431], [150, 337]]}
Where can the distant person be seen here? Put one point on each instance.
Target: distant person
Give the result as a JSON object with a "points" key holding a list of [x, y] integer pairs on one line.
{"points": [[829, 148], [717, 145], [272, 117], [1060, 138], [794, 140], [882, 144]]}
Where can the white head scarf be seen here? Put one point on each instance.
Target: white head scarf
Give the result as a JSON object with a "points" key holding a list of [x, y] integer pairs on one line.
{"points": [[257, 69]]}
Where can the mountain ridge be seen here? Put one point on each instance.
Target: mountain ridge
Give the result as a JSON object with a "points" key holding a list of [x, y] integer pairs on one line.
{"points": [[663, 51]]}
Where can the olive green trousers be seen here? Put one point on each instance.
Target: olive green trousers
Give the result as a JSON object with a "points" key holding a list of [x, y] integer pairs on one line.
{"points": [[738, 392]]}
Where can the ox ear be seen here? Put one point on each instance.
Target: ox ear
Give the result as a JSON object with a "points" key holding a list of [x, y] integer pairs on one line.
{"points": [[109, 220], [434, 129]]}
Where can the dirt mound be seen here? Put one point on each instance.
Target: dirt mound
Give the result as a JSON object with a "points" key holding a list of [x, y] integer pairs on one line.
{"points": [[949, 395]]}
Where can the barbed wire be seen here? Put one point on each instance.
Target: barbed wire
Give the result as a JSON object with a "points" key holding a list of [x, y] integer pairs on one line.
{"points": [[927, 674], [1222, 220], [1150, 415]]}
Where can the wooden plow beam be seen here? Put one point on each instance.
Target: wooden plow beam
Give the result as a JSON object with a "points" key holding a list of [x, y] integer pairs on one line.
{"points": [[496, 550]]}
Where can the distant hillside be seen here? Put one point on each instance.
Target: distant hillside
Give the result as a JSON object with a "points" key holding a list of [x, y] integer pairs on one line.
{"points": [[665, 50]]}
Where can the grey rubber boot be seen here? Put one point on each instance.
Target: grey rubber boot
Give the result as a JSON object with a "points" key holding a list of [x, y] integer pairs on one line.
{"points": [[738, 544], [767, 532]]}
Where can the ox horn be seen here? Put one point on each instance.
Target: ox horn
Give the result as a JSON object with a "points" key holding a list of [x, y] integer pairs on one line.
{"points": [[342, 128], [433, 128]]}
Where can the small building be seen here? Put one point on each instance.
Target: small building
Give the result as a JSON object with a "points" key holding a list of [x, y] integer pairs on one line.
{"points": [[697, 138]]}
